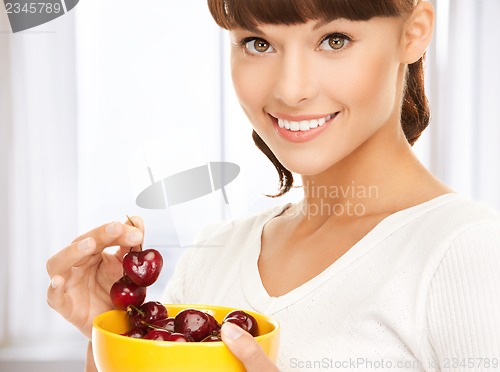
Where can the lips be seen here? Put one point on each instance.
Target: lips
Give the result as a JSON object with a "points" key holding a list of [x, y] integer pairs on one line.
{"points": [[303, 125], [303, 128]]}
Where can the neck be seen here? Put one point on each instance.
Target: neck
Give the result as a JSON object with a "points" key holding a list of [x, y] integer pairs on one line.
{"points": [[379, 178]]}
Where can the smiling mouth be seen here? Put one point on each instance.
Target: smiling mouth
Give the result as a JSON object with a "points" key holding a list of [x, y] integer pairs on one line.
{"points": [[304, 125]]}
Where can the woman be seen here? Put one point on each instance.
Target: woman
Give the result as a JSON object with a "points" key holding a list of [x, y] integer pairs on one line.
{"points": [[380, 266]]}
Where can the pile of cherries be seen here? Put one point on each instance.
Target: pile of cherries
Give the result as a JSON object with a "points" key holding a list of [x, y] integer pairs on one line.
{"points": [[150, 320]]}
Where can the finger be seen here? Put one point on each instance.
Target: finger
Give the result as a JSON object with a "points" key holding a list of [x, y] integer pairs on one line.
{"points": [[246, 349], [138, 223], [135, 221], [114, 234], [55, 293], [93, 242], [68, 257]]}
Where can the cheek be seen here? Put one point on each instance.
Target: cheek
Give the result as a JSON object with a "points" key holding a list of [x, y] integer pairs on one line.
{"points": [[251, 86], [367, 89], [381, 85]]}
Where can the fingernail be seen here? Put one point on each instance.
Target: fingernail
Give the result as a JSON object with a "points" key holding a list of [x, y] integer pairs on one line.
{"points": [[134, 237], [85, 245], [54, 282], [113, 228], [231, 331]]}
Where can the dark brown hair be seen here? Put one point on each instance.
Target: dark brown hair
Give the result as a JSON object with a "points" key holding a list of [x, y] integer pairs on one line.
{"points": [[248, 14]]}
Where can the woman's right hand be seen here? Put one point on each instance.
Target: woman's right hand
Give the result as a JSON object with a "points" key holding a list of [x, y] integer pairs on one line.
{"points": [[82, 273]]}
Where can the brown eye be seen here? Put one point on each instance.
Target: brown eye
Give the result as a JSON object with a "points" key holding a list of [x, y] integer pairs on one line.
{"points": [[257, 46], [335, 42], [261, 46]]}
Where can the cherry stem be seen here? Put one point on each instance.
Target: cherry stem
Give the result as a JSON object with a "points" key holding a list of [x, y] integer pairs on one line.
{"points": [[151, 325], [133, 307], [133, 224]]}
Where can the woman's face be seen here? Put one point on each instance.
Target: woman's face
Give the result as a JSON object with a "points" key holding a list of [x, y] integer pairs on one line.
{"points": [[315, 92]]}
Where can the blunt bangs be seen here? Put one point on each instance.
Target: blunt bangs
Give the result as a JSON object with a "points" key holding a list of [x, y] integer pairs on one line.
{"points": [[248, 14]]}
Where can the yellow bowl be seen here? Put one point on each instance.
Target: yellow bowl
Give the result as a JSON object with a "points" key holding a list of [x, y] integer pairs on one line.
{"points": [[116, 353]]}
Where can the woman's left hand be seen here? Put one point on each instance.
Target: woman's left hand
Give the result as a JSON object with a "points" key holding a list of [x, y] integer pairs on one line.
{"points": [[246, 349]]}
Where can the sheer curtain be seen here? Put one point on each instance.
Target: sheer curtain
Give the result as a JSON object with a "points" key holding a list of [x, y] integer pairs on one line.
{"points": [[465, 98], [38, 182]]}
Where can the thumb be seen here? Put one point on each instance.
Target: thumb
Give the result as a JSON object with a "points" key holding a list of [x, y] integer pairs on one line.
{"points": [[246, 349]]}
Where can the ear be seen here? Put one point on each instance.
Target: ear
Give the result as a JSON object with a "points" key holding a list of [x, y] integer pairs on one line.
{"points": [[417, 33]]}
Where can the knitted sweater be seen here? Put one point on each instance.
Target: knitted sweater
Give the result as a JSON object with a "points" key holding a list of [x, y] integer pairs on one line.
{"points": [[419, 292]]}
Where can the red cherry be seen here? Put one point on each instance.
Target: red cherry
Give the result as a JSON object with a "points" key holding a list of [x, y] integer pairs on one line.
{"points": [[125, 293], [158, 335], [179, 337], [194, 323], [164, 335], [146, 314], [243, 320], [137, 332], [212, 338], [144, 267], [240, 323], [214, 324], [167, 323]]}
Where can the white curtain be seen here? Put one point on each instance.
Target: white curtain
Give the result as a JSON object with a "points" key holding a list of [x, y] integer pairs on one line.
{"points": [[44, 156], [38, 168], [465, 98]]}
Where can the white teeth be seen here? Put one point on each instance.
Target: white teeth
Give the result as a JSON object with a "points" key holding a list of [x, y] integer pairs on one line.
{"points": [[302, 125]]}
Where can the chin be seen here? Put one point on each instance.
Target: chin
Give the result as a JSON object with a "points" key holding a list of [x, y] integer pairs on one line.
{"points": [[305, 167]]}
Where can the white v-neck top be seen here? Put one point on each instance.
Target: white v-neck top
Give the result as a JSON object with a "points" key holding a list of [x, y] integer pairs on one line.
{"points": [[419, 292]]}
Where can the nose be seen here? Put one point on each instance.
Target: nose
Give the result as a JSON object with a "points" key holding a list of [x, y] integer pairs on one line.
{"points": [[295, 83]]}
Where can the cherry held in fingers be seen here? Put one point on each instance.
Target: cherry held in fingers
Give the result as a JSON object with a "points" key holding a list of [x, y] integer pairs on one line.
{"points": [[144, 267], [125, 293]]}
